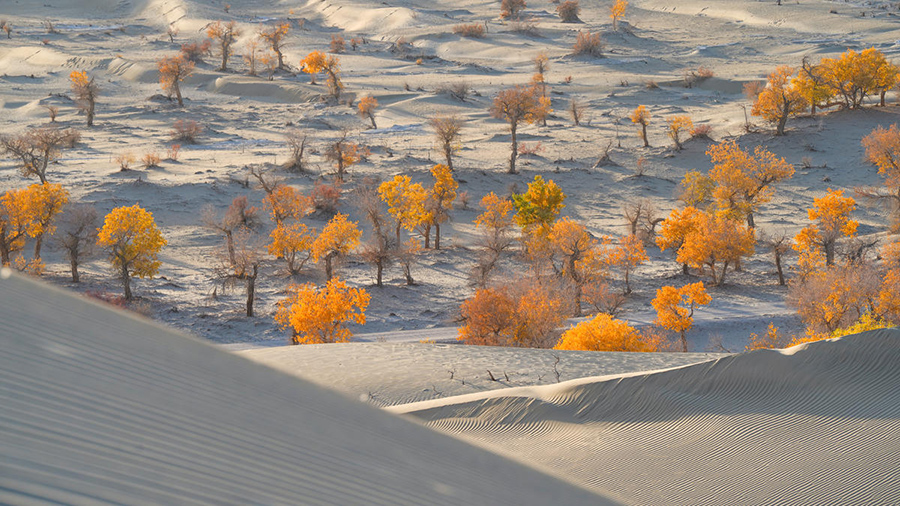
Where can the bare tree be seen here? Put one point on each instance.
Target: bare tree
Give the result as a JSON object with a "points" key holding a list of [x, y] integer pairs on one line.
{"points": [[240, 215], [76, 235], [779, 245], [85, 90], [576, 109], [225, 34], [37, 148], [248, 257], [343, 153], [296, 141], [381, 248], [446, 130]]}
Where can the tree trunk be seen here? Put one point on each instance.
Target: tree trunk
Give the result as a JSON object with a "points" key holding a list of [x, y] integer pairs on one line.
{"points": [[224, 66], [340, 162], [627, 282], [328, 271], [883, 92], [427, 235], [722, 277], [372, 119], [437, 236], [409, 279], [515, 149], [714, 274], [178, 93], [126, 281], [280, 58], [398, 232], [683, 342], [251, 289], [90, 112], [779, 269], [751, 223], [38, 242], [684, 269], [74, 265], [4, 252], [644, 135], [829, 253], [448, 151], [379, 269], [782, 120]]}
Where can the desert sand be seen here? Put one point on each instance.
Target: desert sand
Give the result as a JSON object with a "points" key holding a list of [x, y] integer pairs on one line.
{"points": [[245, 119]]}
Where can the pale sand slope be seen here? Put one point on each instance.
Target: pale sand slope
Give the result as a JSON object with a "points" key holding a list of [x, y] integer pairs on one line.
{"points": [[386, 374], [813, 424], [100, 407]]}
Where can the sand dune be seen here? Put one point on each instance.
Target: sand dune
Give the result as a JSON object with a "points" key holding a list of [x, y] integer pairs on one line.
{"points": [[814, 424]]}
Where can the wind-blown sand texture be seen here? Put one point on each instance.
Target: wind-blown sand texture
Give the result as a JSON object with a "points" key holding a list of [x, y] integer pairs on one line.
{"points": [[100, 407], [814, 424], [245, 119], [387, 374]]}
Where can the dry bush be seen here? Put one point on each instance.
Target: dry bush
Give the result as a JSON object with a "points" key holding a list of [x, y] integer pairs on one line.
{"points": [[326, 197], [752, 89], [37, 148], [701, 132], [588, 44], [337, 44], [150, 160], [568, 11], [49, 26], [76, 235], [692, 77], [172, 152], [576, 109], [195, 51], [446, 130], [355, 42], [459, 90], [186, 131], [463, 199], [171, 32], [835, 297], [651, 84], [526, 27], [7, 27], [125, 160], [52, 111], [531, 149], [474, 30], [511, 8]]}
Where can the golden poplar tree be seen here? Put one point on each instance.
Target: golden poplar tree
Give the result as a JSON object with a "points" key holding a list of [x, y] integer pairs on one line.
{"points": [[321, 315], [780, 99], [132, 240], [675, 308], [604, 333], [641, 116], [336, 240]]}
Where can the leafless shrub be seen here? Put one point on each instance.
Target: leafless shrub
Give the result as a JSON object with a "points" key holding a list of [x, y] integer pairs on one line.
{"points": [[588, 44], [171, 31], [37, 148], [52, 111], [446, 130], [463, 198], [49, 26], [576, 109], [752, 89], [186, 131], [651, 84], [150, 160], [474, 30], [337, 44], [296, 142], [527, 27], [459, 90], [511, 8], [692, 77]]}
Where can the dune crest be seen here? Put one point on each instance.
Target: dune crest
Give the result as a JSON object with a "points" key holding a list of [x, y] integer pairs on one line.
{"points": [[814, 424]]}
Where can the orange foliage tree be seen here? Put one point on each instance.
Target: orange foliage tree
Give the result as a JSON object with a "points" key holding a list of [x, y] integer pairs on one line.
{"points": [[344, 153], [511, 316], [85, 90], [172, 71], [517, 105], [678, 126], [716, 240], [883, 149], [674, 229], [45, 203], [316, 62], [274, 37], [605, 333], [225, 34], [675, 307], [616, 12], [285, 203], [854, 76], [628, 255], [831, 221], [337, 239], [16, 221], [832, 297], [132, 240], [495, 223], [780, 99], [744, 181], [572, 241], [366, 108], [321, 315], [641, 116]]}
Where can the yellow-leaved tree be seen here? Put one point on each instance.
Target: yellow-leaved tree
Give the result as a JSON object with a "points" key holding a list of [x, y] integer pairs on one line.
{"points": [[439, 200], [511, 316], [366, 108], [780, 99], [274, 38], [605, 333], [641, 116], [675, 307], [539, 206], [337, 239], [15, 222], [674, 229], [831, 221], [883, 150], [316, 62], [571, 240], [293, 242], [716, 241], [678, 126], [617, 11], [405, 201], [321, 315], [45, 203], [172, 71], [131, 238]]}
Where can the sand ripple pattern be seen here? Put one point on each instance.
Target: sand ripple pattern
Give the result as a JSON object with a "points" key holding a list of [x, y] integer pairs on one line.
{"points": [[817, 424]]}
